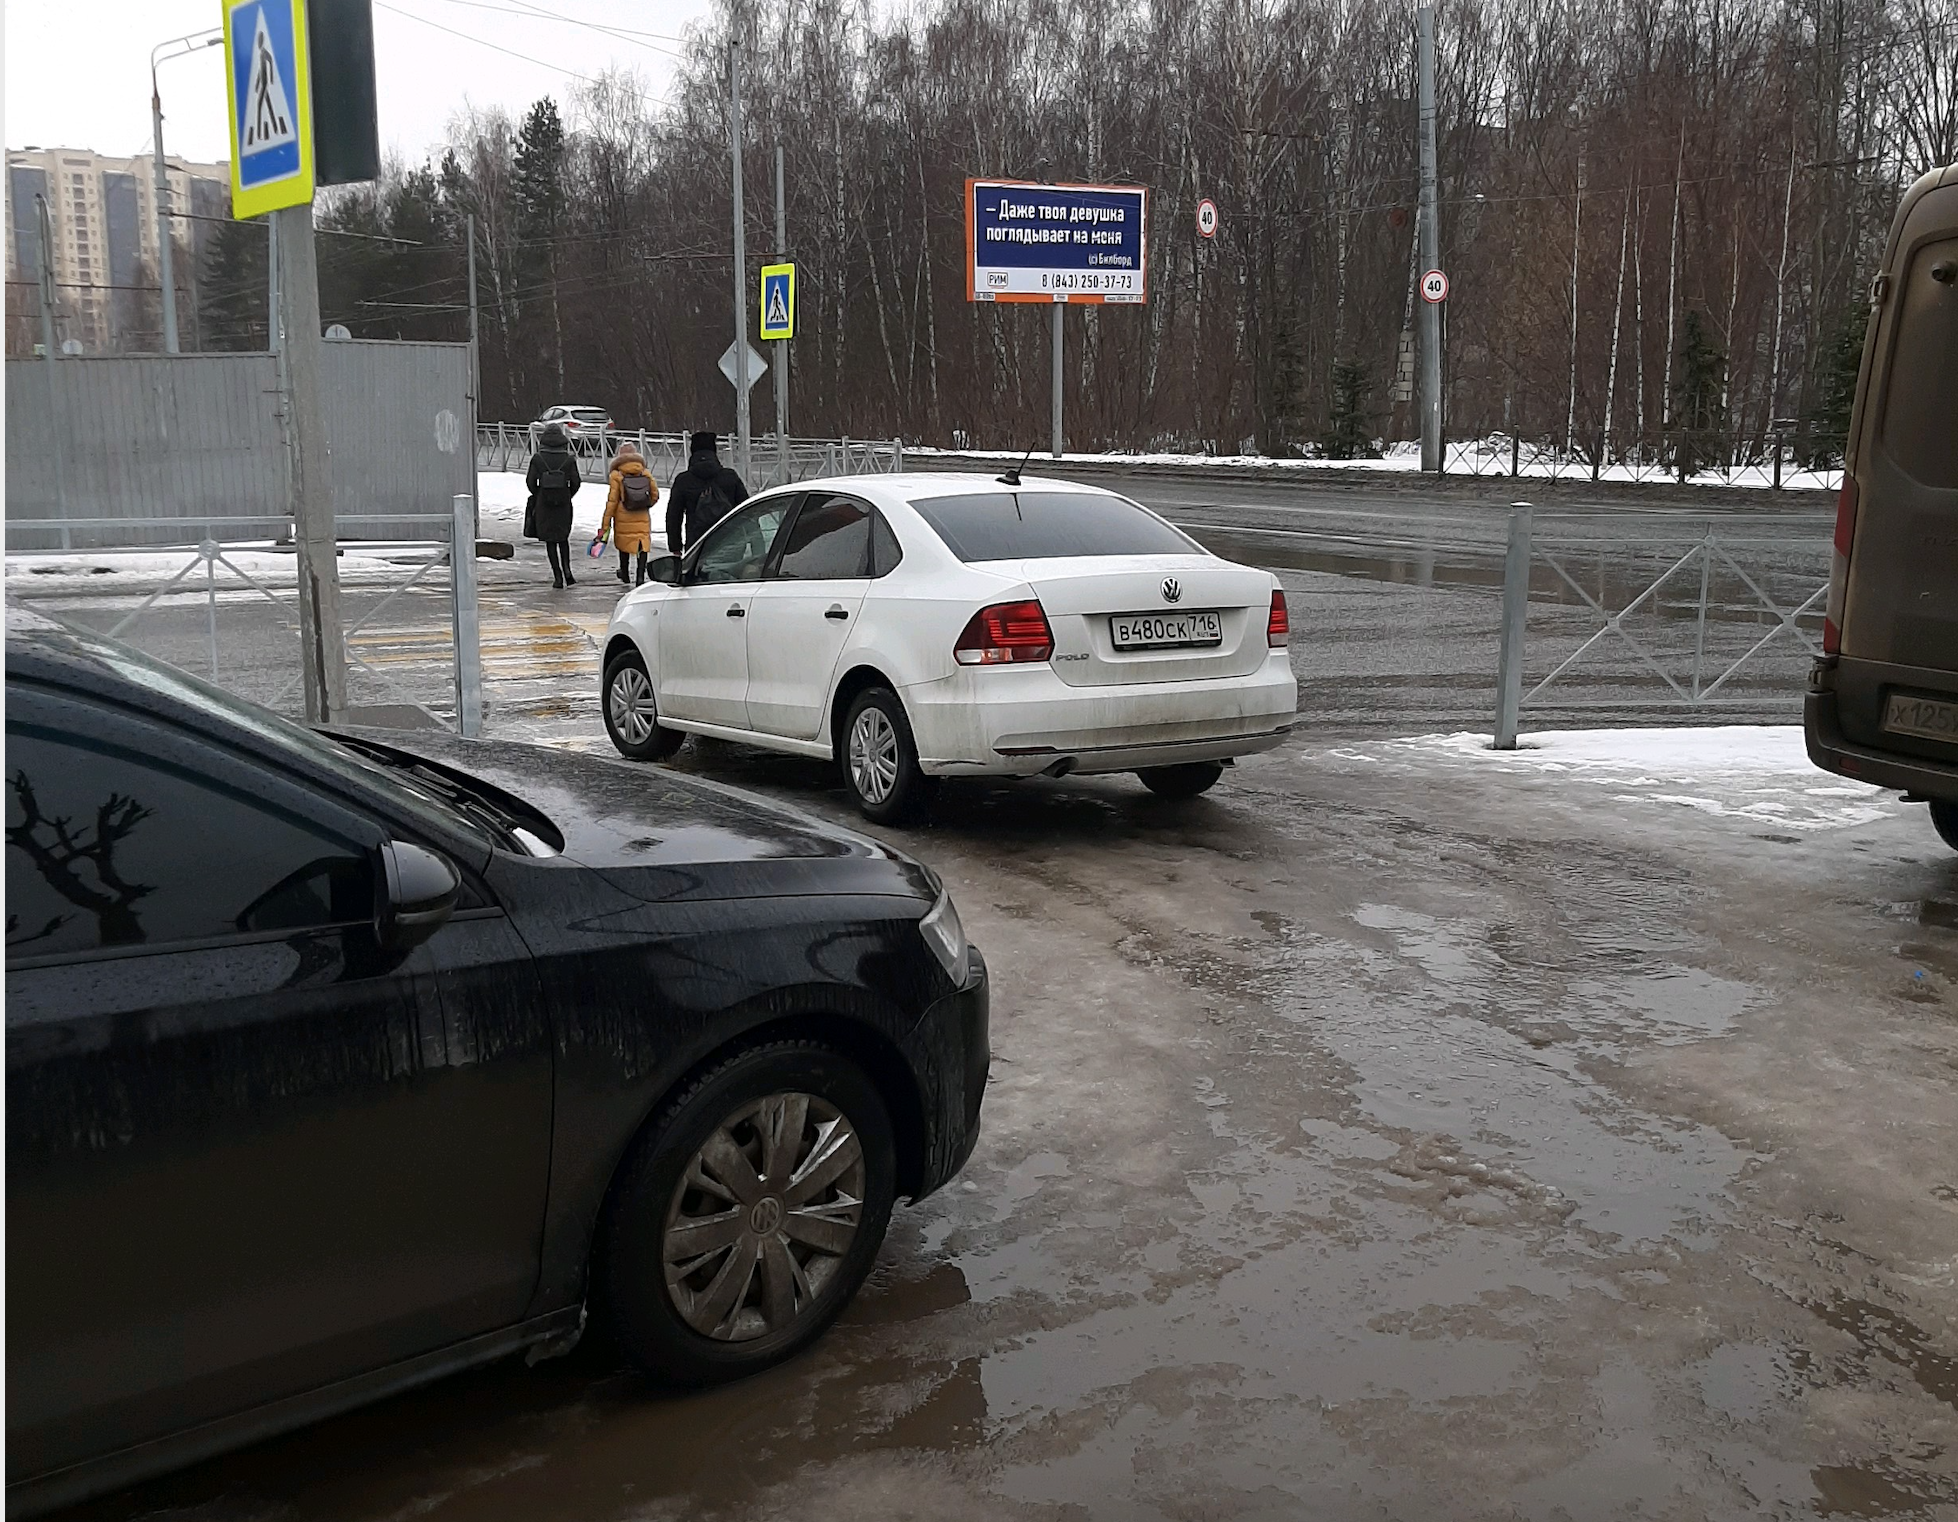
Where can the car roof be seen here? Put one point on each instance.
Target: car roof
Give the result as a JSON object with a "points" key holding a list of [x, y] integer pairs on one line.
{"points": [[943, 483]]}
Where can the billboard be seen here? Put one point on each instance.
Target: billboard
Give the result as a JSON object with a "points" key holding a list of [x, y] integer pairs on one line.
{"points": [[1066, 243]]}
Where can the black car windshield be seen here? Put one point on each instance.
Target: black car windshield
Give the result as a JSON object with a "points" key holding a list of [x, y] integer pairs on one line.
{"points": [[309, 747], [1046, 525]]}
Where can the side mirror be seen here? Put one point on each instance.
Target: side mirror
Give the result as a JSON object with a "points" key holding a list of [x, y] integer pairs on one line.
{"points": [[666, 570], [418, 895]]}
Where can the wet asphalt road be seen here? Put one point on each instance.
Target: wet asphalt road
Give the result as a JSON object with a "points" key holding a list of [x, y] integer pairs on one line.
{"points": [[1368, 1139], [1365, 1140]]}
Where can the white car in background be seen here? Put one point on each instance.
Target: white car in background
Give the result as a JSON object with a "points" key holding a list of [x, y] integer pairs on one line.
{"points": [[578, 422], [915, 627]]}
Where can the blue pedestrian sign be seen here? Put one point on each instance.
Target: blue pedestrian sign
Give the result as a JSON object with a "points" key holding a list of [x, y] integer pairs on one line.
{"points": [[777, 301], [268, 79]]}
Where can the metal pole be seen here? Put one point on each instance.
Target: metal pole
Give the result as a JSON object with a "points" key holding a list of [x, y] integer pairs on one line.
{"points": [[475, 365], [166, 273], [462, 592], [741, 436], [1515, 623], [1059, 307], [323, 655], [1699, 632], [781, 344], [1424, 20]]}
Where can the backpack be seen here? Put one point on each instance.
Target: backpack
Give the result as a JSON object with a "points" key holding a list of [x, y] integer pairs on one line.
{"points": [[636, 492], [555, 476], [713, 505]]}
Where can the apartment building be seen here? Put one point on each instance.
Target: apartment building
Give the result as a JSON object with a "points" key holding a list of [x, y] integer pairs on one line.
{"points": [[102, 212]]}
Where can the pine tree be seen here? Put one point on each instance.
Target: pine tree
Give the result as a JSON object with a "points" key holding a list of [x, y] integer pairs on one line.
{"points": [[232, 296], [1349, 430], [1287, 389], [541, 204], [1835, 393], [1699, 412]]}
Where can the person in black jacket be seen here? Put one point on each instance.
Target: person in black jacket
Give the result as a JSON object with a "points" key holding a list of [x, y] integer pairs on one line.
{"points": [[553, 480], [701, 495]]}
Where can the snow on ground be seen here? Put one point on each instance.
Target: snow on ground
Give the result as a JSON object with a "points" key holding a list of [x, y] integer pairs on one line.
{"points": [[1485, 458], [1759, 773], [500, 497]]}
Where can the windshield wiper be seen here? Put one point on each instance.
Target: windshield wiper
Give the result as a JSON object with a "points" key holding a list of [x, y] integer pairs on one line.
{"points": [[511, 828]]}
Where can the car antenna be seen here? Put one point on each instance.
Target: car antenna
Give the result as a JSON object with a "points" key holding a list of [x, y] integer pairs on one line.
{"points": [[1012, 476]]}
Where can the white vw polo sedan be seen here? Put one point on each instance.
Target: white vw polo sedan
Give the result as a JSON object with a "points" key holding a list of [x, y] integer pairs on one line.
{"points": [[923, 626]]}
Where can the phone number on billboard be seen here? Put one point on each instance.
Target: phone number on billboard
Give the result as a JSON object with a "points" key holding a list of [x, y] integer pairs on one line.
{"points": [[1070, 281]]}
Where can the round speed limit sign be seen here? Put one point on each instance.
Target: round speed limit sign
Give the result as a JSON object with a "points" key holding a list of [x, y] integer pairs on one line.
{"points": [[1207, 217], [1434, 286]]}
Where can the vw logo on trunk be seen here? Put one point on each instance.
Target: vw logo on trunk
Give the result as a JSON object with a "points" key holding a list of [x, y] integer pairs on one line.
{"points": [[1172, 589]]}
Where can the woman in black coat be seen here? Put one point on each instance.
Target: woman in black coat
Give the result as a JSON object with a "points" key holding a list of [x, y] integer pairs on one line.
{"points": [[553, 481]]}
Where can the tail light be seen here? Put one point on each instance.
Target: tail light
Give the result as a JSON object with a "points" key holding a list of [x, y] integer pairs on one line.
{"points": [[1278, 628], [1846, 503], [1005, 633]]}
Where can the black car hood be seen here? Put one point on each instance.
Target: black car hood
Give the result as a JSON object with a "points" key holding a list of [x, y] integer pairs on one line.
{"points": [[661, 835]]}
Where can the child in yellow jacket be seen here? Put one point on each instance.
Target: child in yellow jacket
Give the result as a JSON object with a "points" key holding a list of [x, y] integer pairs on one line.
{"points": [[629, 512]]}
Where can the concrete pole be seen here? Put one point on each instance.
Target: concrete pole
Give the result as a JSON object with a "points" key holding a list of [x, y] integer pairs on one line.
{"points": [[45, 224], [274, 312], [1430, 250], [323, 655], [1059, 307], [741, 433], [781, 344], [165, 255]]}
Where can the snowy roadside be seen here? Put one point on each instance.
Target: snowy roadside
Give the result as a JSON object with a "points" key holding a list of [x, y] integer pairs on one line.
{"points": [[1490, 457], [1758, 773]]}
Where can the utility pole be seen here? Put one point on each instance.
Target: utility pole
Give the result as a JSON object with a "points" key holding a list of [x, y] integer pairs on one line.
{"points": [[45, 224], [1059, 307], [165, 251], [741, 434], [272, 308], [1424, 21], [323, 655], [165, 255], [475, 367], [781, 344]]}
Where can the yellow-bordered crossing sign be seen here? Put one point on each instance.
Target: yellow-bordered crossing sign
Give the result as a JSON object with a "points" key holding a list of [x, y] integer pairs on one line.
{"points": [[777, 301], [268, 82]]}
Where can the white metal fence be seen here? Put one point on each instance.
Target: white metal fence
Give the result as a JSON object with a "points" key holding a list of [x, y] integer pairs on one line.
{"points": [[1505, 455], [509, 446], [228, 610]]}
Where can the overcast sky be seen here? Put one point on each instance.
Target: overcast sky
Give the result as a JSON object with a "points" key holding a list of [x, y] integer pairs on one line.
{"points": [[77, 71]]}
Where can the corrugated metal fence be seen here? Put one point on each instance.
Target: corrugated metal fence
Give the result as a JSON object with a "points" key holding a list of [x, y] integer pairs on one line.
{"points": [[160, 449]]}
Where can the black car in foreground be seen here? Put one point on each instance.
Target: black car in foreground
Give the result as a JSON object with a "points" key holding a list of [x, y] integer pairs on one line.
{"points": [[335, 1065]]}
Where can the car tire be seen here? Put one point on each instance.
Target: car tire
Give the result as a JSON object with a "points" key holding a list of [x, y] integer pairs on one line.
{"points": [[1185, 781], [1944, 819], [632, 711], [879, 760], [753, 1281]]}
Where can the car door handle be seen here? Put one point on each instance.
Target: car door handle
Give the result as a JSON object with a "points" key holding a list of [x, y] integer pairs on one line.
{"points": [[839, 611], [735, 610]]}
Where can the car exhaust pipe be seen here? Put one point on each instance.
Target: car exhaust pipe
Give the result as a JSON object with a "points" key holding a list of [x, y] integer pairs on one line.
{"points": [[1060, 768]]}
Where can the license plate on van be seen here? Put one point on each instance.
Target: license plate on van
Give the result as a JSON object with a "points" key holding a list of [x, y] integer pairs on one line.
{"points": [[1925, 717], [1166, 631]]}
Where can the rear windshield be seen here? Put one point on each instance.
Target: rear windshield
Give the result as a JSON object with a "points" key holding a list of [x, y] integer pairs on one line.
{"points": [[1046, 525]]}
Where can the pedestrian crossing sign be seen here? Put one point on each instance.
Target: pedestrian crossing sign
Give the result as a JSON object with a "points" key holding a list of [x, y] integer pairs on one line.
{"points": [[268, 78], [777, 301]]}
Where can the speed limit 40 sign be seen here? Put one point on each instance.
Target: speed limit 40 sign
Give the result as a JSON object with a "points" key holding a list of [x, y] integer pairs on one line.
{"points": [[1207, 217], [1434, 286]]}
